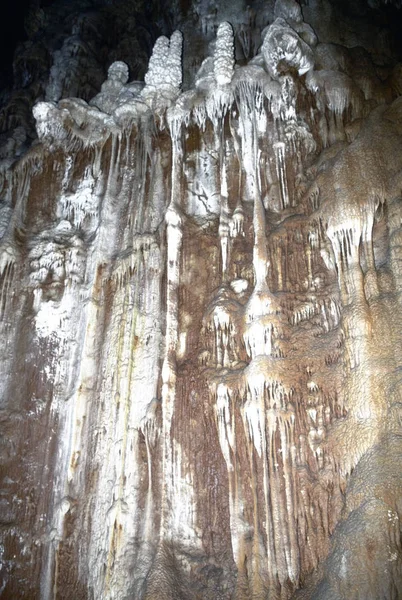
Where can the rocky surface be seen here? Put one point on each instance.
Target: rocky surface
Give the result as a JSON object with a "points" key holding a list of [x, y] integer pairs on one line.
{"points": [[200, 301]]}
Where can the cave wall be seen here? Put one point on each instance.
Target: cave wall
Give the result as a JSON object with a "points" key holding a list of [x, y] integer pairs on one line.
{"points": [[200, 301]]}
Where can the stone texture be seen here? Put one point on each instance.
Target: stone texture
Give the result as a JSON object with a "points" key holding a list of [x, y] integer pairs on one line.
{"points": [[200, 302]]}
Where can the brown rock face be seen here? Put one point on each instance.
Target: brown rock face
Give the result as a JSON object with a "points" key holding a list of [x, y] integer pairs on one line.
{"points": [[200, 318]]}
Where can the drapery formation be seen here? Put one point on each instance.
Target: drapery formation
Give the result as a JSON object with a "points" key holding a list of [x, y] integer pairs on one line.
{"points": [[200, 301]]}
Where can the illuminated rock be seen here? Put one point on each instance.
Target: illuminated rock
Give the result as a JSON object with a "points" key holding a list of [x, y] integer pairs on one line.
{"points": [[200, 321]]}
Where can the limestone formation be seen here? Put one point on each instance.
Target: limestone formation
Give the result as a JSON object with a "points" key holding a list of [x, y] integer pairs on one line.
{"points": [[200, 318]]}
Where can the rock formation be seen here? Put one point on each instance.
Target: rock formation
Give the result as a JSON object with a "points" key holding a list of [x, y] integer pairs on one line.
{"points": [[200, 314]]}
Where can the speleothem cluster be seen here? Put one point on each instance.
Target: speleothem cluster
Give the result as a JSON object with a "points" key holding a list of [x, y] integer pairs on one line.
{"points": [[200, 300]]}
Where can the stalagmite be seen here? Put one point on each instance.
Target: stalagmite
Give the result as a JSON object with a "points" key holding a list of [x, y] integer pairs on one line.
{"points": [[224, 54]]}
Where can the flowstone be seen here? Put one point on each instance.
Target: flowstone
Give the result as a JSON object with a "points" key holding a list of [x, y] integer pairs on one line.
{"points": [[200, 310]]}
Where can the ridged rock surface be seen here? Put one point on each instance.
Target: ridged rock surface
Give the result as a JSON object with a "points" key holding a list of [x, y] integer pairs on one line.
{"points": [[201, 311]]}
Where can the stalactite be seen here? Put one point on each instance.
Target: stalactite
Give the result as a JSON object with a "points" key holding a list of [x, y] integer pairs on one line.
{"points": [[224, 222], [173, 242]]}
